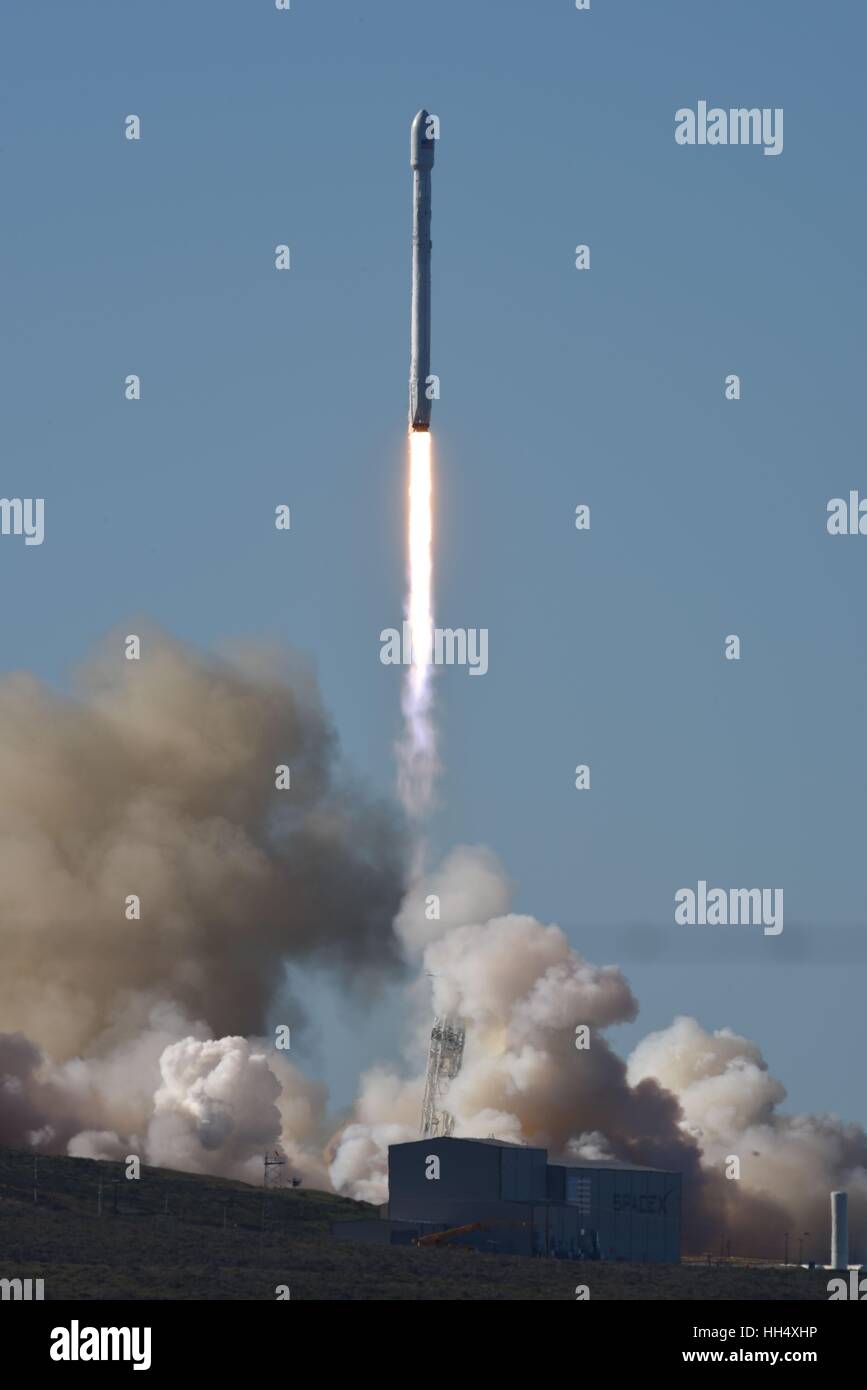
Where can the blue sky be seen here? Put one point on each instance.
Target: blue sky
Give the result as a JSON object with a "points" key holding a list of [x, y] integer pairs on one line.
{"points": [[558, 387]]}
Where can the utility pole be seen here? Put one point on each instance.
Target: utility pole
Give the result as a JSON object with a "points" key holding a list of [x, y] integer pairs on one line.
{"points": [[35, 1174], [786, 1257], [99, 1198]]}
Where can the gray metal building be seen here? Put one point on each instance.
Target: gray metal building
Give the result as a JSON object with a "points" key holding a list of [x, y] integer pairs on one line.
{"points": [[635, 1212], [525, 1205]]}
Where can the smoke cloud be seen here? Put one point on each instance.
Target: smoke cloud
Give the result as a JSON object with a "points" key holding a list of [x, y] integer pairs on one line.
{"points": [[155, 1036], [686, 1100], [159, 780]]}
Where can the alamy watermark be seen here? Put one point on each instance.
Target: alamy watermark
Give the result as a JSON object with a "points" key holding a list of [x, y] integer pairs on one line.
{"points": [[23, 516], [77, 1343], [856, 1290], [847, 518], [22, 1290], [737, 126], [721, 907], [459, 646]]}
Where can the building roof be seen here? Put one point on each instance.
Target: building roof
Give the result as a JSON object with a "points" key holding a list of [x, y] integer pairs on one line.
{"points": [[470, 1139], [568, 1161], [620, 1164]]}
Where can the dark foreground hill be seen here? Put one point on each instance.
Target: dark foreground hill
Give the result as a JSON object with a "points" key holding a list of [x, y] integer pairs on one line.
{"points": [[178, 1236]]}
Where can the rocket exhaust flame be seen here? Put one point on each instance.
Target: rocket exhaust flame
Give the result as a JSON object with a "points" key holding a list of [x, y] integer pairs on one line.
{"points": [[417, 760]]}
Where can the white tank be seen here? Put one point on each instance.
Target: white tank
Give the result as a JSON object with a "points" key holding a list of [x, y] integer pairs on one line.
{"points": [[839, 1230]]}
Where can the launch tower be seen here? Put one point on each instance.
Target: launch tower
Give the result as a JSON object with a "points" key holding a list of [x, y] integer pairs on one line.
{"points": [[444, 1063]]}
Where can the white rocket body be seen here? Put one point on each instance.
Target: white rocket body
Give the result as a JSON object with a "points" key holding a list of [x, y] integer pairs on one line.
{"points": [[421, 159]]}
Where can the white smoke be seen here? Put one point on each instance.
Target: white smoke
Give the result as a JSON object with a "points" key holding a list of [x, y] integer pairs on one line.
{"points": [[149, 1037], [729, 1102], [688, 1100], [173, 1096]]}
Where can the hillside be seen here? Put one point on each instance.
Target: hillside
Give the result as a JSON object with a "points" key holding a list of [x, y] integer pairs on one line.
{"points": [[179, 1236]]}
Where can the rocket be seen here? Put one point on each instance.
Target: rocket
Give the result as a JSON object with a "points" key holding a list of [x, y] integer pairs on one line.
{"points": [[421, 160]]}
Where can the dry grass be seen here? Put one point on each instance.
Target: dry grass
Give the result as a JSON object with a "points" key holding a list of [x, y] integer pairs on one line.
{"points": [[210, 1244]]}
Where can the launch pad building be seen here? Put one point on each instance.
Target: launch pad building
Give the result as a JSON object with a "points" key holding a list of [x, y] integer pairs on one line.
{"points": [[510, 1199]]}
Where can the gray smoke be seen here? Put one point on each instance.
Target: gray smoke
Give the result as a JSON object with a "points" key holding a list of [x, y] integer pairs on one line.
{"points": [[152, 1037], [158, 779]]}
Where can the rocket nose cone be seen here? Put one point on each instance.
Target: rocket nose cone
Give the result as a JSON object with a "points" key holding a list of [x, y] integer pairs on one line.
{"points": [[421, 147]]}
